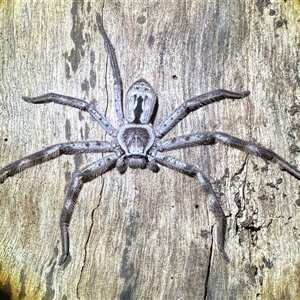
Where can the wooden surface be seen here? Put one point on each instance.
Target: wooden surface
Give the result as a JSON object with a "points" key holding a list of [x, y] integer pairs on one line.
{"points": [[144, 235]]}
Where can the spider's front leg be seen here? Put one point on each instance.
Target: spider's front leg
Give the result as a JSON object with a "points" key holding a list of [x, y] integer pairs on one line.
{"points": [[190, 170], [74, 102], [79, 179], [193, 104]]}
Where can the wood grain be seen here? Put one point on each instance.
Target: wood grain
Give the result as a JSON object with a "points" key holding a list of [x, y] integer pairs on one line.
{"points": [[144, 235]]}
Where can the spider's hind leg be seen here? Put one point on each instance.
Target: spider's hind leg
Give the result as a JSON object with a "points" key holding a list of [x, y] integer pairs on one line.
{"points": [[76, 103], [193, 104], [118, 85]]}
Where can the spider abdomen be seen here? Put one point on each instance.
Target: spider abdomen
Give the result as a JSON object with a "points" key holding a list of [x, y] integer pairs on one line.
{"points": [[140, 102]]}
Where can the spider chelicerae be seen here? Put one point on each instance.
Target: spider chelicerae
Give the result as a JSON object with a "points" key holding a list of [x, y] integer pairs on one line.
{"points": [[136, 144]]}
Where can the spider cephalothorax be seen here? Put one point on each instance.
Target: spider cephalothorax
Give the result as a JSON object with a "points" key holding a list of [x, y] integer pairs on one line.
{"points": [[136, 144]]}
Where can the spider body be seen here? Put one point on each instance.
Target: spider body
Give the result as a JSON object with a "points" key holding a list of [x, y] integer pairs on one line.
{"points": [[137, 144], [140, 103], [137, 136]]}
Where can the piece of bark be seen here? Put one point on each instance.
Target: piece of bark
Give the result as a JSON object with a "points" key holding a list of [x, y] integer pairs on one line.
{"points": [[142, 235]]}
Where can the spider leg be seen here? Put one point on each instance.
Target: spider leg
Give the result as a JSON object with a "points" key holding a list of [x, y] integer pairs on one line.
{"points": [[210, 138], [79, 179], [190, 170], [51, 153], [77, 103], [118, 86], [193, 104]]}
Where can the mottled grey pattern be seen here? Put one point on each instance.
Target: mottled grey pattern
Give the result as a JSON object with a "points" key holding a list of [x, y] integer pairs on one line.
{"points": [[136, 144]]}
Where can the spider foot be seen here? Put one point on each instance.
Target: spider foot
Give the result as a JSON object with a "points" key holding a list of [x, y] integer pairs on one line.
{"points": [[224, 255], [27, 99], [36, 100], [63, 259], [41, 99], [245, 94], [219, 228], [3, 176]]}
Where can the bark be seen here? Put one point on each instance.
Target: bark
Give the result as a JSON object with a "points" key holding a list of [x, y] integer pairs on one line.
{"points": [[142, 235]]}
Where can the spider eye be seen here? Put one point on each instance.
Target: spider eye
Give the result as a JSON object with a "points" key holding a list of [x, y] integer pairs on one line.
{"points": [[140, 102]]}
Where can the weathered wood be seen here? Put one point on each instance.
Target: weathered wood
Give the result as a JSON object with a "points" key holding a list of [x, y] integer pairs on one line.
{"points": [[144, 235]]}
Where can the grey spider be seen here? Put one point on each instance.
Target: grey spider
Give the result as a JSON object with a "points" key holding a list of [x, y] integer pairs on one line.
{"points": [[136, 144]]}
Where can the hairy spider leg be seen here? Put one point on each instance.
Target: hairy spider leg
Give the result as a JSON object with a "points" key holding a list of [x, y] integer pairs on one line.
{"points": [[118, 86], [211, 138], [187, 169], [193, 104], [53, 152], [77, 103], [87, 174]]}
